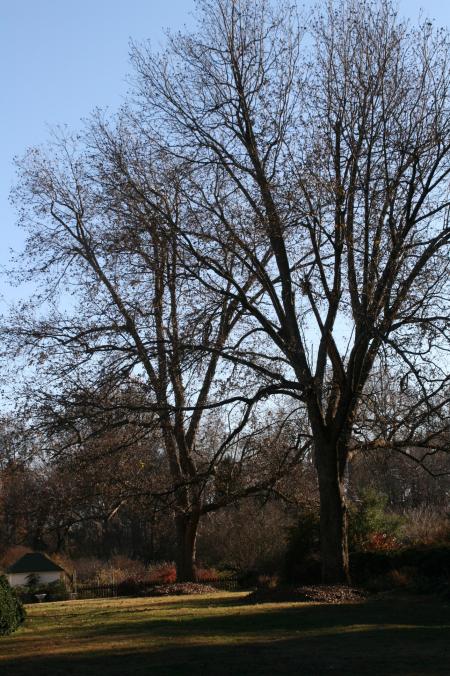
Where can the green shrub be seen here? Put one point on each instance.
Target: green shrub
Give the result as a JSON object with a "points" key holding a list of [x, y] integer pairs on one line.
{"points": [[33, 583], [56, 591], [371, 525], [12, 612]]}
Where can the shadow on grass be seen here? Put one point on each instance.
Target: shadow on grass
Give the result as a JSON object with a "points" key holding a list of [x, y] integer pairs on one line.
{"points": [[396, 652], [247, 620], [385, 638]]}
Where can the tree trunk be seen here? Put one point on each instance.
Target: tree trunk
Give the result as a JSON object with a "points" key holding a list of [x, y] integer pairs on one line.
{"points": [[186, 525], [333, 518]]}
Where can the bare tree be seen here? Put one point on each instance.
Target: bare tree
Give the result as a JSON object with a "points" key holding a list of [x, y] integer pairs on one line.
{"points": [[401, 442], [319, 159], [269, 216], [103, 214]]}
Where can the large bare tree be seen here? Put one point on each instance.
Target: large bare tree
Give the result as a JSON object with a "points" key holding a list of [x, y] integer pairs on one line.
{"points": [[319, 158], [111, 341], [269, 215]]}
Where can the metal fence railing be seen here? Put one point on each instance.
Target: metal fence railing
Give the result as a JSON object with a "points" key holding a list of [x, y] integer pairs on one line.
{"points": [[87, 591], [77, 590]]}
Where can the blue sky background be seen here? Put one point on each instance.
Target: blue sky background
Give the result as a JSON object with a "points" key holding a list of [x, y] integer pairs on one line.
{"points": [[58, 60], [61, 58]]}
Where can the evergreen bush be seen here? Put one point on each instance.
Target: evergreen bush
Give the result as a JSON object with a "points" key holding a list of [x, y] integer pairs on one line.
{"points": [[12, 612], [371, 525]]}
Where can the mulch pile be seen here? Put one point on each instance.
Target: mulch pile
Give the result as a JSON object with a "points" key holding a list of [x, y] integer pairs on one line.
{"points": [[178, 588], [315, 593]]}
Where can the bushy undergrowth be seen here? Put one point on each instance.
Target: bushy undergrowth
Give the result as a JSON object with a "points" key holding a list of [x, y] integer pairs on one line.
{"points": [[379, 538], [12, 612], [371, 527], [162, 573], [387, 549], [425, 525], [302, 561], [115, 570], [422, 569]]}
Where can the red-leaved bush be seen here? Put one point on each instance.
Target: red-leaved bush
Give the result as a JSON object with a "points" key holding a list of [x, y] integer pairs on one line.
{"points": [[206, 574], [162, 573], [381, 541]]}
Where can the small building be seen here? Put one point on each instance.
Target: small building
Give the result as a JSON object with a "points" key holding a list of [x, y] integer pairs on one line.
{"points": [[43, 570]]}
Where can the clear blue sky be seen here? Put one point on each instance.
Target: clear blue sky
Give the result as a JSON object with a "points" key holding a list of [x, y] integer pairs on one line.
{"points": [[61, 58], [58, 60]]}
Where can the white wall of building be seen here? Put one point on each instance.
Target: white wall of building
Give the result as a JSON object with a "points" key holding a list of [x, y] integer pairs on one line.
{"points": [[21, 579]]}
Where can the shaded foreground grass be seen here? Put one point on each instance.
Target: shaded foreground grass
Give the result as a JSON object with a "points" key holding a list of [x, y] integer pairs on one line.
{"points": [[219, 634]]}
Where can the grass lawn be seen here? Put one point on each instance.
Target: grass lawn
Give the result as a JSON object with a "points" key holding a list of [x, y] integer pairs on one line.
{"points": [[220, 635]]}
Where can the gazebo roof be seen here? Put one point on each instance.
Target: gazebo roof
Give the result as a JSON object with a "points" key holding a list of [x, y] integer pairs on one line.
{"points": [[33, 563]]}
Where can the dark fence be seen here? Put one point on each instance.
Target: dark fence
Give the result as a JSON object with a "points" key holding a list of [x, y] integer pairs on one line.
{"points": [[223, 583], [126, 588], [96, 591]]}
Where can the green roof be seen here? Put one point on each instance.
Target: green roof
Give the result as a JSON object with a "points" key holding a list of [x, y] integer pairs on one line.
{"points": [[33, 563]]}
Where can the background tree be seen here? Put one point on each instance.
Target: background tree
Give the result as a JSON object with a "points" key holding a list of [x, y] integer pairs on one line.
{"points": [[103, 213]]}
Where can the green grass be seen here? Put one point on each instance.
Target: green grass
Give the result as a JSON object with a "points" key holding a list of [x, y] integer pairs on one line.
{"points": [[219, 634]]}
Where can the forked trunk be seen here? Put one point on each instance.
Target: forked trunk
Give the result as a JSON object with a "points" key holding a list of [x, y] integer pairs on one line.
{"points": [[333, 518], [186, 526]]}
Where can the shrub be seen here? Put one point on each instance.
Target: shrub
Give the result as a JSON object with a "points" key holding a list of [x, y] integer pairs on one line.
{"points": [[116, 570], [54, 591], [302, 561], [402, 577], [119, 569], [129, 587], [12, 612], [124, 567], [207, 574], [32, 584], [87, 568], [268, 581], [371, 526], [426, 525], [248, 579], [162, 573], [420, 568], [369, 565]]}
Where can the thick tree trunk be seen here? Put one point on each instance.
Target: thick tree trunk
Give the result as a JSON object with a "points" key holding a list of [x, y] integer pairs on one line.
{"points": [[333, 518], [187, 526]]}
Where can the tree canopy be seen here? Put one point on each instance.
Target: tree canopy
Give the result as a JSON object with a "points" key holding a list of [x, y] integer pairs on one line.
{"points": [[266, 219]]}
